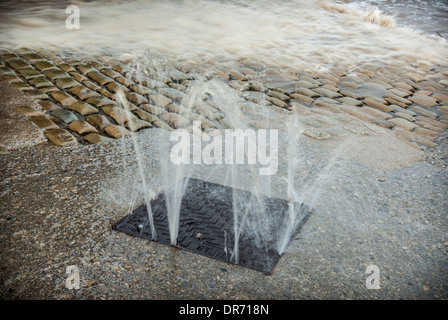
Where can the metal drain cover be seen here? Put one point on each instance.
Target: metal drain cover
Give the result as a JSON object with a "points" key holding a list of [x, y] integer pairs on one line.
{"points": [[206, 224]]}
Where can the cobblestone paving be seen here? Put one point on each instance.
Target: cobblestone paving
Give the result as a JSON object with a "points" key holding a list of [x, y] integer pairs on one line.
{"points": [[77, 98]]}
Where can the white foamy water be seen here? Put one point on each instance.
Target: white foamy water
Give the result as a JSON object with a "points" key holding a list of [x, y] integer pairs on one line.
{"points": [[293, 35], [428, 16]]}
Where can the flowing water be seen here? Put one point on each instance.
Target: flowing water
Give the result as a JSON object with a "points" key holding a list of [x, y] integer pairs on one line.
{"points": [[430, 17], [291, 35], [282, 37]]}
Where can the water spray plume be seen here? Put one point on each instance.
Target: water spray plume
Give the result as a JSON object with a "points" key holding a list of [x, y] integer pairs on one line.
{"points": [[122, 101]]}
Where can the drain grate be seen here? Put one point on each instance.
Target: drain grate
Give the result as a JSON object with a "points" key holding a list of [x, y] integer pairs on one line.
{"points": [[206, 224]]}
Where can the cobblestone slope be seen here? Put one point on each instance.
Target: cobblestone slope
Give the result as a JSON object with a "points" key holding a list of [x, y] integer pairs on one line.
{"points": [[77, 98]]}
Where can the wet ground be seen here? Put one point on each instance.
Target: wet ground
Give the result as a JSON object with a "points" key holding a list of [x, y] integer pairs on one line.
{"points": [[58, 206]]}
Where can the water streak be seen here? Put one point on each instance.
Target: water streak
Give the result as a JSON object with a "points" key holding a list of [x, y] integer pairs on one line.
{"points": [[122, 101], [292, 35]]}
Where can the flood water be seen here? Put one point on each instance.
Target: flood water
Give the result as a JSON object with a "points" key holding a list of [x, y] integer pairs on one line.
{"points": [[290, 34]]}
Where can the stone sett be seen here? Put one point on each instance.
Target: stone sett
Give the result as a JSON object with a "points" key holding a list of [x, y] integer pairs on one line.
{"points": [[407, 105]]}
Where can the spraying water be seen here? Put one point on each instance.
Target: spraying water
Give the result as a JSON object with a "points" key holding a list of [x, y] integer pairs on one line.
{"points": [[175, 179], [309, 192], [121, 99]]}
